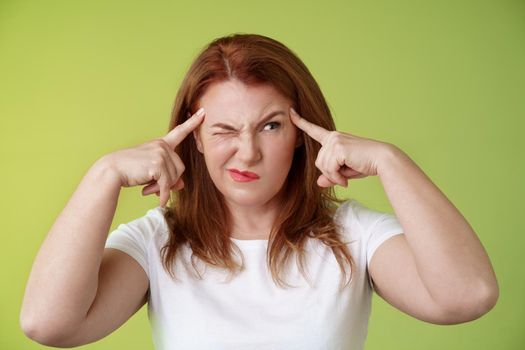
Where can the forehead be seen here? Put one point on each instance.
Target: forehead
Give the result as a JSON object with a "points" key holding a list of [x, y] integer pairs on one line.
{"points": [[231, 100]]}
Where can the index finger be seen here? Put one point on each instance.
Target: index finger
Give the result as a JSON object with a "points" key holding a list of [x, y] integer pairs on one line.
{"points": [[314, 131], [179, 133]]}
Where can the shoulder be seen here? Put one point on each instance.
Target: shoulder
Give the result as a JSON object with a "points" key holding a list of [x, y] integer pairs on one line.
{"points": [[151, 224], [354, 212], [358, 219], [153, 220]]}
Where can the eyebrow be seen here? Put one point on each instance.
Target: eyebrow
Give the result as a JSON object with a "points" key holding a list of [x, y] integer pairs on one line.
{"points": [[265, 119]]}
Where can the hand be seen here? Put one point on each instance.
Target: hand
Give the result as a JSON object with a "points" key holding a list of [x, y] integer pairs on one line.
{"points": [[155, 162], [342, 156]]}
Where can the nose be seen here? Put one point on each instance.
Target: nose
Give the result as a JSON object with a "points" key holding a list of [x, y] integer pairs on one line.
{"points": [[248, 150]]}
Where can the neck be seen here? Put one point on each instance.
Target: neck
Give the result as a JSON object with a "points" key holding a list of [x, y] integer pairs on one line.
{"points": [[253, 222]]}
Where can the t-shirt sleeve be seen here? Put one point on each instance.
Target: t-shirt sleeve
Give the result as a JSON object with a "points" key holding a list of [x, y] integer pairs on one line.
{"points": [[385, 226], [134, 237], [377, 227]]}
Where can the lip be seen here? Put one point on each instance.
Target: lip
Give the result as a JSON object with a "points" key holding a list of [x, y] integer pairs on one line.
{"points": [[243, 176]]}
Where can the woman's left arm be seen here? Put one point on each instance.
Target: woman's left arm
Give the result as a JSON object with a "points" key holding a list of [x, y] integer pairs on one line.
{"points": [[450, 259], [438, 270]]}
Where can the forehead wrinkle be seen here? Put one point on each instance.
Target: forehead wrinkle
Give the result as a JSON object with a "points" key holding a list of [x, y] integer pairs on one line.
{"points": [[222, 97]]}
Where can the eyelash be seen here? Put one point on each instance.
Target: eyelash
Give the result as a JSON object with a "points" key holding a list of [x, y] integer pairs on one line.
{"points": [[276, 123]]}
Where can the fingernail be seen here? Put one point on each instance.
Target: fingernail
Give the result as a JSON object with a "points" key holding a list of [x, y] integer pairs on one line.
{"points": [[293, 110], [200, 112]]}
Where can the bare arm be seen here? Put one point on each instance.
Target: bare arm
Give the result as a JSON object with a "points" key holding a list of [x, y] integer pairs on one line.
{"points": [[78, 291], [440, 245], [438, 270], [64, 277]]}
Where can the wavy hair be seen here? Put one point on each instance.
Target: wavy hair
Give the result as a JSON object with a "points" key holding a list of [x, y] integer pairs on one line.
{"points": [[307, 210]]}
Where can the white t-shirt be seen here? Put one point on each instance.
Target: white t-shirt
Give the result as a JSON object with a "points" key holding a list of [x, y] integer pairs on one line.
{"points": [[250, 311]]}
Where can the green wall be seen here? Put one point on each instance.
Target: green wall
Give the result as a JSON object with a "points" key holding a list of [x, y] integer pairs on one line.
{"points": [[443, 80]]}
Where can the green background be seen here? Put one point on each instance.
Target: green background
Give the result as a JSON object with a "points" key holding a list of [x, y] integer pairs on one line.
{"points": [[443, 80]]}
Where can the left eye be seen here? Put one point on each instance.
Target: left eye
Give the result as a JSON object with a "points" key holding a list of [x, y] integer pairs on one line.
{"points": [[276, 124]]}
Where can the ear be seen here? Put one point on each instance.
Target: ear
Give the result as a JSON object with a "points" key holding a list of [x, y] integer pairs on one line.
{"points": [[197, 138]]}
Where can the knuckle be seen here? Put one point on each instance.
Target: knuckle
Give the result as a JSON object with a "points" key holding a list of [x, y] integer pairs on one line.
{"points": [[176, 177], [170, 182], [160, 151], [162, 147], [158, 143], [339, 147], [179, 165], [333, 136], [158, 159]]}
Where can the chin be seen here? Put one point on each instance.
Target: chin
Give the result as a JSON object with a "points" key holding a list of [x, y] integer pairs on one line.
{"points": [[246, 198]]}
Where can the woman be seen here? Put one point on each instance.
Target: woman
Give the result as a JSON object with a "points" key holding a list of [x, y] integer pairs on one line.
{"points": [[254, 252]]}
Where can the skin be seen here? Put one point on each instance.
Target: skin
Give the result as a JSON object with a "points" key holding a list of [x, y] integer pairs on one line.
{"points": [[266, 149], [78, 291], [438, 270]]}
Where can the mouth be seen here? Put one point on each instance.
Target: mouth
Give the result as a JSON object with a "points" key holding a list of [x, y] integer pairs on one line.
{"points": [[243, 176]]}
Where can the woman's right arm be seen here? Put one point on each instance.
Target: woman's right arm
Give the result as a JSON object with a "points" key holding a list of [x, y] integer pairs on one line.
{"points": [[78, 291], [64, 279]]}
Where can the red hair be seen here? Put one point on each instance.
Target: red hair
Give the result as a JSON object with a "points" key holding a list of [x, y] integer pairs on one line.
{"points": [[198, 215]]}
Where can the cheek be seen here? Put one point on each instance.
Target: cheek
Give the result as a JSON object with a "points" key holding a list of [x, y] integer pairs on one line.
{"points": [[278, 148], [217, 150], [280, 151]]}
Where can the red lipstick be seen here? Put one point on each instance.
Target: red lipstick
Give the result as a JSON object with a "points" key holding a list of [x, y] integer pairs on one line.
{"points": [[243, 176]]}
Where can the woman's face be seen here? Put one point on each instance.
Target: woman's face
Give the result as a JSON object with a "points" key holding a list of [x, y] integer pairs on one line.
{"points": [[246, 128]]}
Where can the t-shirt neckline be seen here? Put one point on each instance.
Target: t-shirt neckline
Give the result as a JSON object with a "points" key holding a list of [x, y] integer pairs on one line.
{"points": [[242, 243]]}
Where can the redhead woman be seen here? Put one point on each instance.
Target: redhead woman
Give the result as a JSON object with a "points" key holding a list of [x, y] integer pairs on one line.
{"points": [[249, 247]]}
